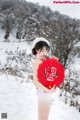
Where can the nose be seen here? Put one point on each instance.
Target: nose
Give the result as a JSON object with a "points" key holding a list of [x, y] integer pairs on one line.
{"points": [[45, 53]]}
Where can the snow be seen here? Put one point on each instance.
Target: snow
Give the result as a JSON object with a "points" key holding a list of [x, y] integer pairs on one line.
{"points": [[19, 100], [12, 49], [18, 95], [2, 33], [77, 45], [14, 46]]}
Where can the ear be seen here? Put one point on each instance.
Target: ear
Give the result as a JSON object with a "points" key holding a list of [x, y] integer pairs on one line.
{"points": [[38, 51]]}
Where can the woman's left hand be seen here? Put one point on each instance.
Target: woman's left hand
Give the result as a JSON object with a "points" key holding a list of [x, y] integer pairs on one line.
{"points": [[55, 57]]}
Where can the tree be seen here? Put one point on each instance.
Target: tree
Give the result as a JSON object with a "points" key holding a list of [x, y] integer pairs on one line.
{"points": [[7, 23]]}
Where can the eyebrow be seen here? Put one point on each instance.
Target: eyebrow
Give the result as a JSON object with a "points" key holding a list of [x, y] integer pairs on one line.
{"points": [[45, 49]]}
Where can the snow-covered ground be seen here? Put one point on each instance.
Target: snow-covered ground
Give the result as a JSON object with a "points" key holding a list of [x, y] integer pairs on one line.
{"points": [[19, 100], [18, 95]]}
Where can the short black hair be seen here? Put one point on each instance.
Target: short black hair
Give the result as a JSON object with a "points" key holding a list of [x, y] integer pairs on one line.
{"points": [[39, 46]]}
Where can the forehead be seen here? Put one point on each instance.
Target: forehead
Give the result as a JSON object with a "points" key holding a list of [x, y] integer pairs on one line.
{"points": [[44, 48]]}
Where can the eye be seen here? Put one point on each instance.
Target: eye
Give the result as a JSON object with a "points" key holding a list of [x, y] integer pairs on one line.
{"points": [[42, 50]]}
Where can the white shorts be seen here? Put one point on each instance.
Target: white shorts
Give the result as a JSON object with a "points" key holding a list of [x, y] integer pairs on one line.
{"points": [[43, 96]]}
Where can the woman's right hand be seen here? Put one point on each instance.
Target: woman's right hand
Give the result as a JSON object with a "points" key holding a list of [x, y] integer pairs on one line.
{"points": [[53, 89]]}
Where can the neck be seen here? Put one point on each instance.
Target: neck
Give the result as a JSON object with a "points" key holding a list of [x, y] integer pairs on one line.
{"points": [[38, 57]]}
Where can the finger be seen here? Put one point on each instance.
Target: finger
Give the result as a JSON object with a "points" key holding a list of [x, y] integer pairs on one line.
{"points": [[57, 59], [54, 86]]}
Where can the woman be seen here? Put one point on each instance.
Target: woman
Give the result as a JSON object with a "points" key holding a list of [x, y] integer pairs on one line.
{"points": [[40, 49]]}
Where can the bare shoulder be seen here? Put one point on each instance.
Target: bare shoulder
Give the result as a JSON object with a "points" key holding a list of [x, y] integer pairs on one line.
{"points": [[36, 64]]}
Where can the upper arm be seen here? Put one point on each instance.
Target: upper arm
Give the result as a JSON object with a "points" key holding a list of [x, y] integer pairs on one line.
{"points": [[35, 67]]}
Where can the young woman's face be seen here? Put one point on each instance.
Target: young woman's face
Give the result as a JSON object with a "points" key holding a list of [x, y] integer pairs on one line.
{"points": [[42, 53]]}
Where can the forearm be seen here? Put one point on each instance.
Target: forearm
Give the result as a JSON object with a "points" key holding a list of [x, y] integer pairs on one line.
{"points": [[55, 57], [39, 85]]}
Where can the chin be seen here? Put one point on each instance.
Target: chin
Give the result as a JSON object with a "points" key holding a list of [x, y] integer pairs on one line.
{"points": [[44, 56]]}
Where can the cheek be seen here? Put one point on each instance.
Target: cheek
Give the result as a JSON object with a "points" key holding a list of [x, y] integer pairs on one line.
{"points": [[41, 54]]}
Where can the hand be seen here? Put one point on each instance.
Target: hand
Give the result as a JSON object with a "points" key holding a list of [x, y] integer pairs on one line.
{"points": [[55, 57], [53, 89]]}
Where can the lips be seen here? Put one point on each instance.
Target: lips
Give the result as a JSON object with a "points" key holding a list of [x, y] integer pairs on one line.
{"points": [[44, 57]]}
